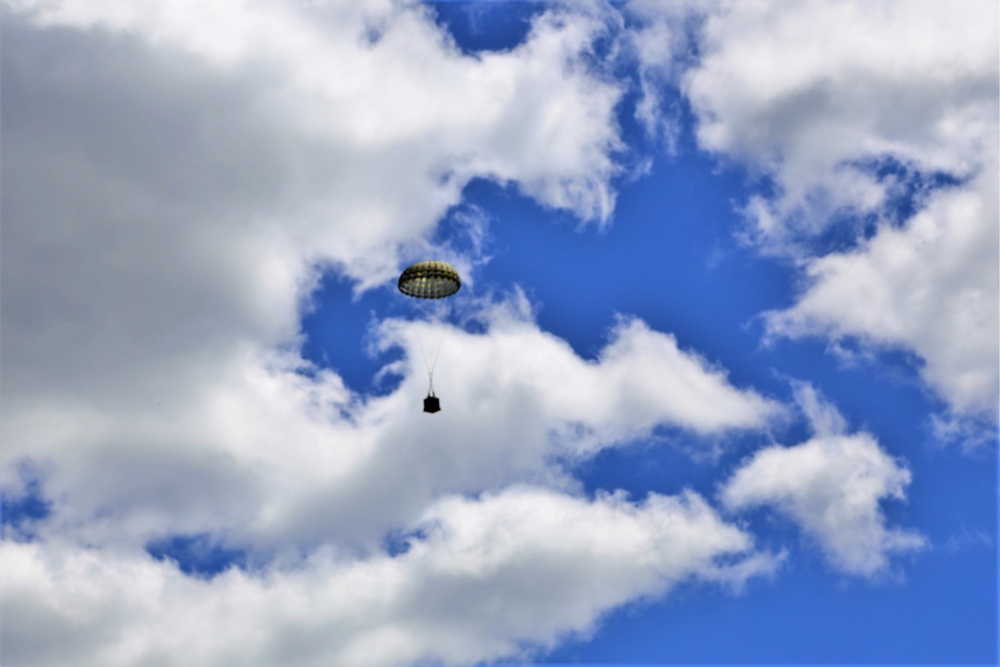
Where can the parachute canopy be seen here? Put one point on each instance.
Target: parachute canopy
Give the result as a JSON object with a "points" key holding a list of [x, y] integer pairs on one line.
{"points": [[429, 280]]}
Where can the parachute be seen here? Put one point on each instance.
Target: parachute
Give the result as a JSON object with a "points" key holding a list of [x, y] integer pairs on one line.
{"points": [[430, 280]]}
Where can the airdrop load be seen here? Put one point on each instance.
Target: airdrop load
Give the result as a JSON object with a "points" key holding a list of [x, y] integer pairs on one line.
{"points": [[430, 280]]}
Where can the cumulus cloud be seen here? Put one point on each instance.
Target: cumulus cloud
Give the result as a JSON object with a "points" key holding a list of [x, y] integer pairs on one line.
{"points": [[268, 456], [175, 175], [819, 97], [194, 166], [641, 378], [492, 578], [175, 179], [831, 486], [274, 462], [810, 92], [931, 286], [381, 82], [258, 140]]}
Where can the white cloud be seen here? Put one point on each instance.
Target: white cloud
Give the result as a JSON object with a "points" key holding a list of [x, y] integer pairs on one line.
{"points": [[931, 286], [174, 178], [640, 379], [191, 168], [831, 486], [823, 417], [173, 174], [660, 41], [385, 86], [270, 457], [813, 94], [524, 567], [804, 91], [157, 183]]}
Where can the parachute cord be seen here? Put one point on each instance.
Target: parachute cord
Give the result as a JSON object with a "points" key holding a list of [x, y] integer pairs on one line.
{"points": [[434, 360], [437, 350], [423, 353], [430, 363]]}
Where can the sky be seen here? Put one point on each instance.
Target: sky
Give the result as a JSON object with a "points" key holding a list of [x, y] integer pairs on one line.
{"points": [[720, 386]]}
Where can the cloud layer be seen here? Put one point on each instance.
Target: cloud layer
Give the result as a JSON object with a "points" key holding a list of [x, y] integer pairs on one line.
{"points": [[493, 577], [831, 487], [930, 286], [811, 92], [176, 179], [848, 108]]}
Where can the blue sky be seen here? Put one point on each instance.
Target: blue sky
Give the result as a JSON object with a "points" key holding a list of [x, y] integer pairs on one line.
{"points": [[720, 386]]}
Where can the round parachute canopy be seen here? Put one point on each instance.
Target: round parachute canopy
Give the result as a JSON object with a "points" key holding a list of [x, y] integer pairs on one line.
{"points": [[429, 280]]}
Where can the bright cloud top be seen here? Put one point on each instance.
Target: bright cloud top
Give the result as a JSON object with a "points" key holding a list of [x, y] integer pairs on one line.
{"points": [[914, 81], [831, 487], [380, 84], [930, 286], [491, 575], [640, 379], [271, 457], [819, 96]]}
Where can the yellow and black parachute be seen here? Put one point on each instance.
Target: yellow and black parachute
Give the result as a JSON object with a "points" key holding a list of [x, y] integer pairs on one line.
{"points": [[430, 280]]}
